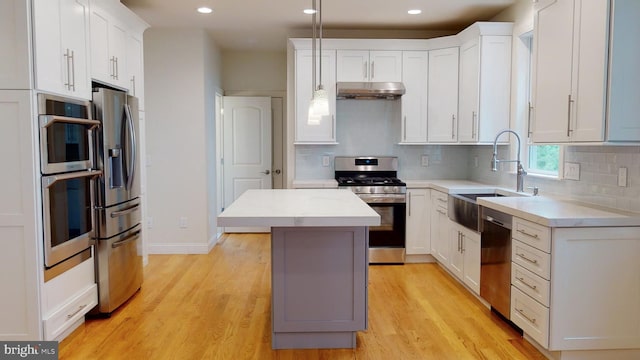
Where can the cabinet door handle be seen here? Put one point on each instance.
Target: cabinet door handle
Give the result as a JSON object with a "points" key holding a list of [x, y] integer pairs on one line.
{"points": [[133, 84], [67, 84], [529, 119], [569, 102], [462, 237], [69, 316], [535, 236], [373, 71], [453, 125], [532, 287], [474, 116], [532, 320], [111, 67], [364, 70], [73, 71], [524, 257], [409, 204], [117, 70]]}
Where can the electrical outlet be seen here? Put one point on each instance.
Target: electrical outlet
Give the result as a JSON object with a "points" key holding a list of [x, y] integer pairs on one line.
{"points": [[183, 222], [149, 222], [571, 171], [326, 159], [424, 160], [622, 177]]}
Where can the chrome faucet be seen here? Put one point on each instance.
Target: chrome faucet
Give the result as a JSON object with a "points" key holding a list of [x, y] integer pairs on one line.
{"points": [[520, 170]]}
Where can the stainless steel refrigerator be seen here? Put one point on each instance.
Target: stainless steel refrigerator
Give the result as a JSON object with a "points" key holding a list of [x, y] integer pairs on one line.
{"points": [[118, 208]]}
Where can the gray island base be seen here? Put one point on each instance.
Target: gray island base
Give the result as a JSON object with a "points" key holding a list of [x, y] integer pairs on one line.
{"points": [[319, 262]]}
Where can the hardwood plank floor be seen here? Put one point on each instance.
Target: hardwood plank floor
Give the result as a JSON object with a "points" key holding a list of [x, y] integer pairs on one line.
{"points": [[217, 306]]}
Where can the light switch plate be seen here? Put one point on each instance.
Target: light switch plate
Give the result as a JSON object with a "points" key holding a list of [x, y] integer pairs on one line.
{"points": [[622, 177], [571, 171], [424, 161], [325, 160]]}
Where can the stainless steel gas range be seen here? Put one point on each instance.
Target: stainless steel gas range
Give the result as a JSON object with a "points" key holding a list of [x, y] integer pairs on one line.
{"points": [[374, 180]]}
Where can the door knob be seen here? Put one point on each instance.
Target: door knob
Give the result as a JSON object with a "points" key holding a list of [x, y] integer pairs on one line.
{"points": [[266, 172], [277, 171]]}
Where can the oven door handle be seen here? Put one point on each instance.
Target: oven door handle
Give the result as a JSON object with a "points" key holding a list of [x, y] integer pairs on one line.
{"points": [[47, 181], [48, 120], [129, 239]]}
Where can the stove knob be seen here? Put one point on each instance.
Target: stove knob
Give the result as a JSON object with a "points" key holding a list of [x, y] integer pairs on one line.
{"points": [[357, 189], [386, 189], [396, 190], [372, 190]]}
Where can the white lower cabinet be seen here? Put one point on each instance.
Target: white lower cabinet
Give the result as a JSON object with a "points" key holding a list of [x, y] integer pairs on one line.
{"points": [[464, 250], [439, 231], [418, 239], [581, 294], [67, 298]]}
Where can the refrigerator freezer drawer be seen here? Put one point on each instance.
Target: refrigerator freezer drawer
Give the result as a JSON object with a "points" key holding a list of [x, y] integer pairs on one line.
{"points": [[119, 269], [117, 219]]}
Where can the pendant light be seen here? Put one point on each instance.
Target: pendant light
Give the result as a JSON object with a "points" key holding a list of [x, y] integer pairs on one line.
{"points": [[319, 105]]}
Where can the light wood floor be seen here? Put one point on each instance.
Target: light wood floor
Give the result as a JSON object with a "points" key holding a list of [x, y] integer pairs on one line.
{"points": [[217, 306]]}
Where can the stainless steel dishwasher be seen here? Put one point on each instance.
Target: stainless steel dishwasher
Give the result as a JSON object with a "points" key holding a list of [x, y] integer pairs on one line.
{"points": [[495, 260]]}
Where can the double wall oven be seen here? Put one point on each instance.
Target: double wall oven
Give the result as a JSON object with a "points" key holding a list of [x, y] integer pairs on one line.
{"points": [[374, 180], [68, 186]]}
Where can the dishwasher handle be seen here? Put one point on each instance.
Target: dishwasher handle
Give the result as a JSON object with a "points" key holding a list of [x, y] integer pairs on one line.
{"points": [[496, 217]]}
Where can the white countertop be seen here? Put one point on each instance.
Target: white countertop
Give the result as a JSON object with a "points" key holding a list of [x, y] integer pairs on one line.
{"points": [[298, 207], [560, 213], [315, 184]]}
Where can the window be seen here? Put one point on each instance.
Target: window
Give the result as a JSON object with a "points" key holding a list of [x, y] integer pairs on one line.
{"points": [[544, 160]]}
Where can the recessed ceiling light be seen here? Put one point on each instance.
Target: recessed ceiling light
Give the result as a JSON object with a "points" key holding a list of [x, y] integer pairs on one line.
{"points": [[205, 10], [309, 11], [414, 12]]}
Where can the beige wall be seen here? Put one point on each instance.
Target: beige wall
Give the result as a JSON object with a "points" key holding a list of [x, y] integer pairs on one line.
{"points": [[182, 70], [254, 70]]}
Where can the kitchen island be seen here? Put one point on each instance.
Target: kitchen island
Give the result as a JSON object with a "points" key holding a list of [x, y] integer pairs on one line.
{"points": [[319, 262]]}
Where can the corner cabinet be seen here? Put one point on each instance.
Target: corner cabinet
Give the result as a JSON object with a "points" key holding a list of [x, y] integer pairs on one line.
{"points": [[415, 65], [586, 81], [485, 81], [418, 216], [365, 66], [61, 47], [443, 95], [325, 132]]}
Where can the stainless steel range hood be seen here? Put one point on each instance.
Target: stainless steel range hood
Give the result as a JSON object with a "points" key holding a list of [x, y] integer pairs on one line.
{"points": [[370, 90]]}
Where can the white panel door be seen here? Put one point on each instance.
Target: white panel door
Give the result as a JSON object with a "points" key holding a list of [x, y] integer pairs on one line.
{"points": [[442, 104], [247, 147]]}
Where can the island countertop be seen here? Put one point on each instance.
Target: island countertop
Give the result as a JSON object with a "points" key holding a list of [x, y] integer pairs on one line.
{"points": [[298, 207]]}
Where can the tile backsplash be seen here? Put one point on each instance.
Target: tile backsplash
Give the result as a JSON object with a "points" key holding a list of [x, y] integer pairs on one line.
{"points": [[598, 178], [372, 127]]}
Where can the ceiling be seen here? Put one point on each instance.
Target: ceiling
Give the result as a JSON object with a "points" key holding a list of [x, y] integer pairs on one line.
{"points": [[265, 25]]}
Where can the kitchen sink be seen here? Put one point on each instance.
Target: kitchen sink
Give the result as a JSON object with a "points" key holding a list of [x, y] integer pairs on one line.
{"points": [[464, 209]]}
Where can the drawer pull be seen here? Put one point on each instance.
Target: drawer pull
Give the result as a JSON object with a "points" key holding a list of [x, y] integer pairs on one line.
{"points": [[531, 320], [442, 200], [441, 212], [69, 316], [533, 261], [535, 236], [532, 287]]}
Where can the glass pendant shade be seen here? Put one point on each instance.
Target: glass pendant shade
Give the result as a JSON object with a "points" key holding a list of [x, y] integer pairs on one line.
{"points": [[318, 107]]}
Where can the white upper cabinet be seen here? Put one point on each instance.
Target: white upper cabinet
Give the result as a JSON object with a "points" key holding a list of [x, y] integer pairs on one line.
{"points": [[624, 76], [108, 45], [325, 131], [415, 66], [135, 68], [365, 66], [586, 74], [443, 95], [61, 29], [485, 82]]}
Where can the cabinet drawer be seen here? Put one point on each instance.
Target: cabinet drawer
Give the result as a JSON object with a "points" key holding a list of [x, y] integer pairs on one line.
{"points": [[531, 259], [439, 198], [71, 312], [530, 283], [533, 234], [530, 316]]}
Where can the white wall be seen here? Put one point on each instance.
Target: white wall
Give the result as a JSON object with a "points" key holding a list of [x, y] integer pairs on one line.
{"points": [[181, 73], [254, 71]]}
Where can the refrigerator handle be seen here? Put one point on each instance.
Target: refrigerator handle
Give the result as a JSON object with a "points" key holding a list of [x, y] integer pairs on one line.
{"points": [[132, 138]]}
